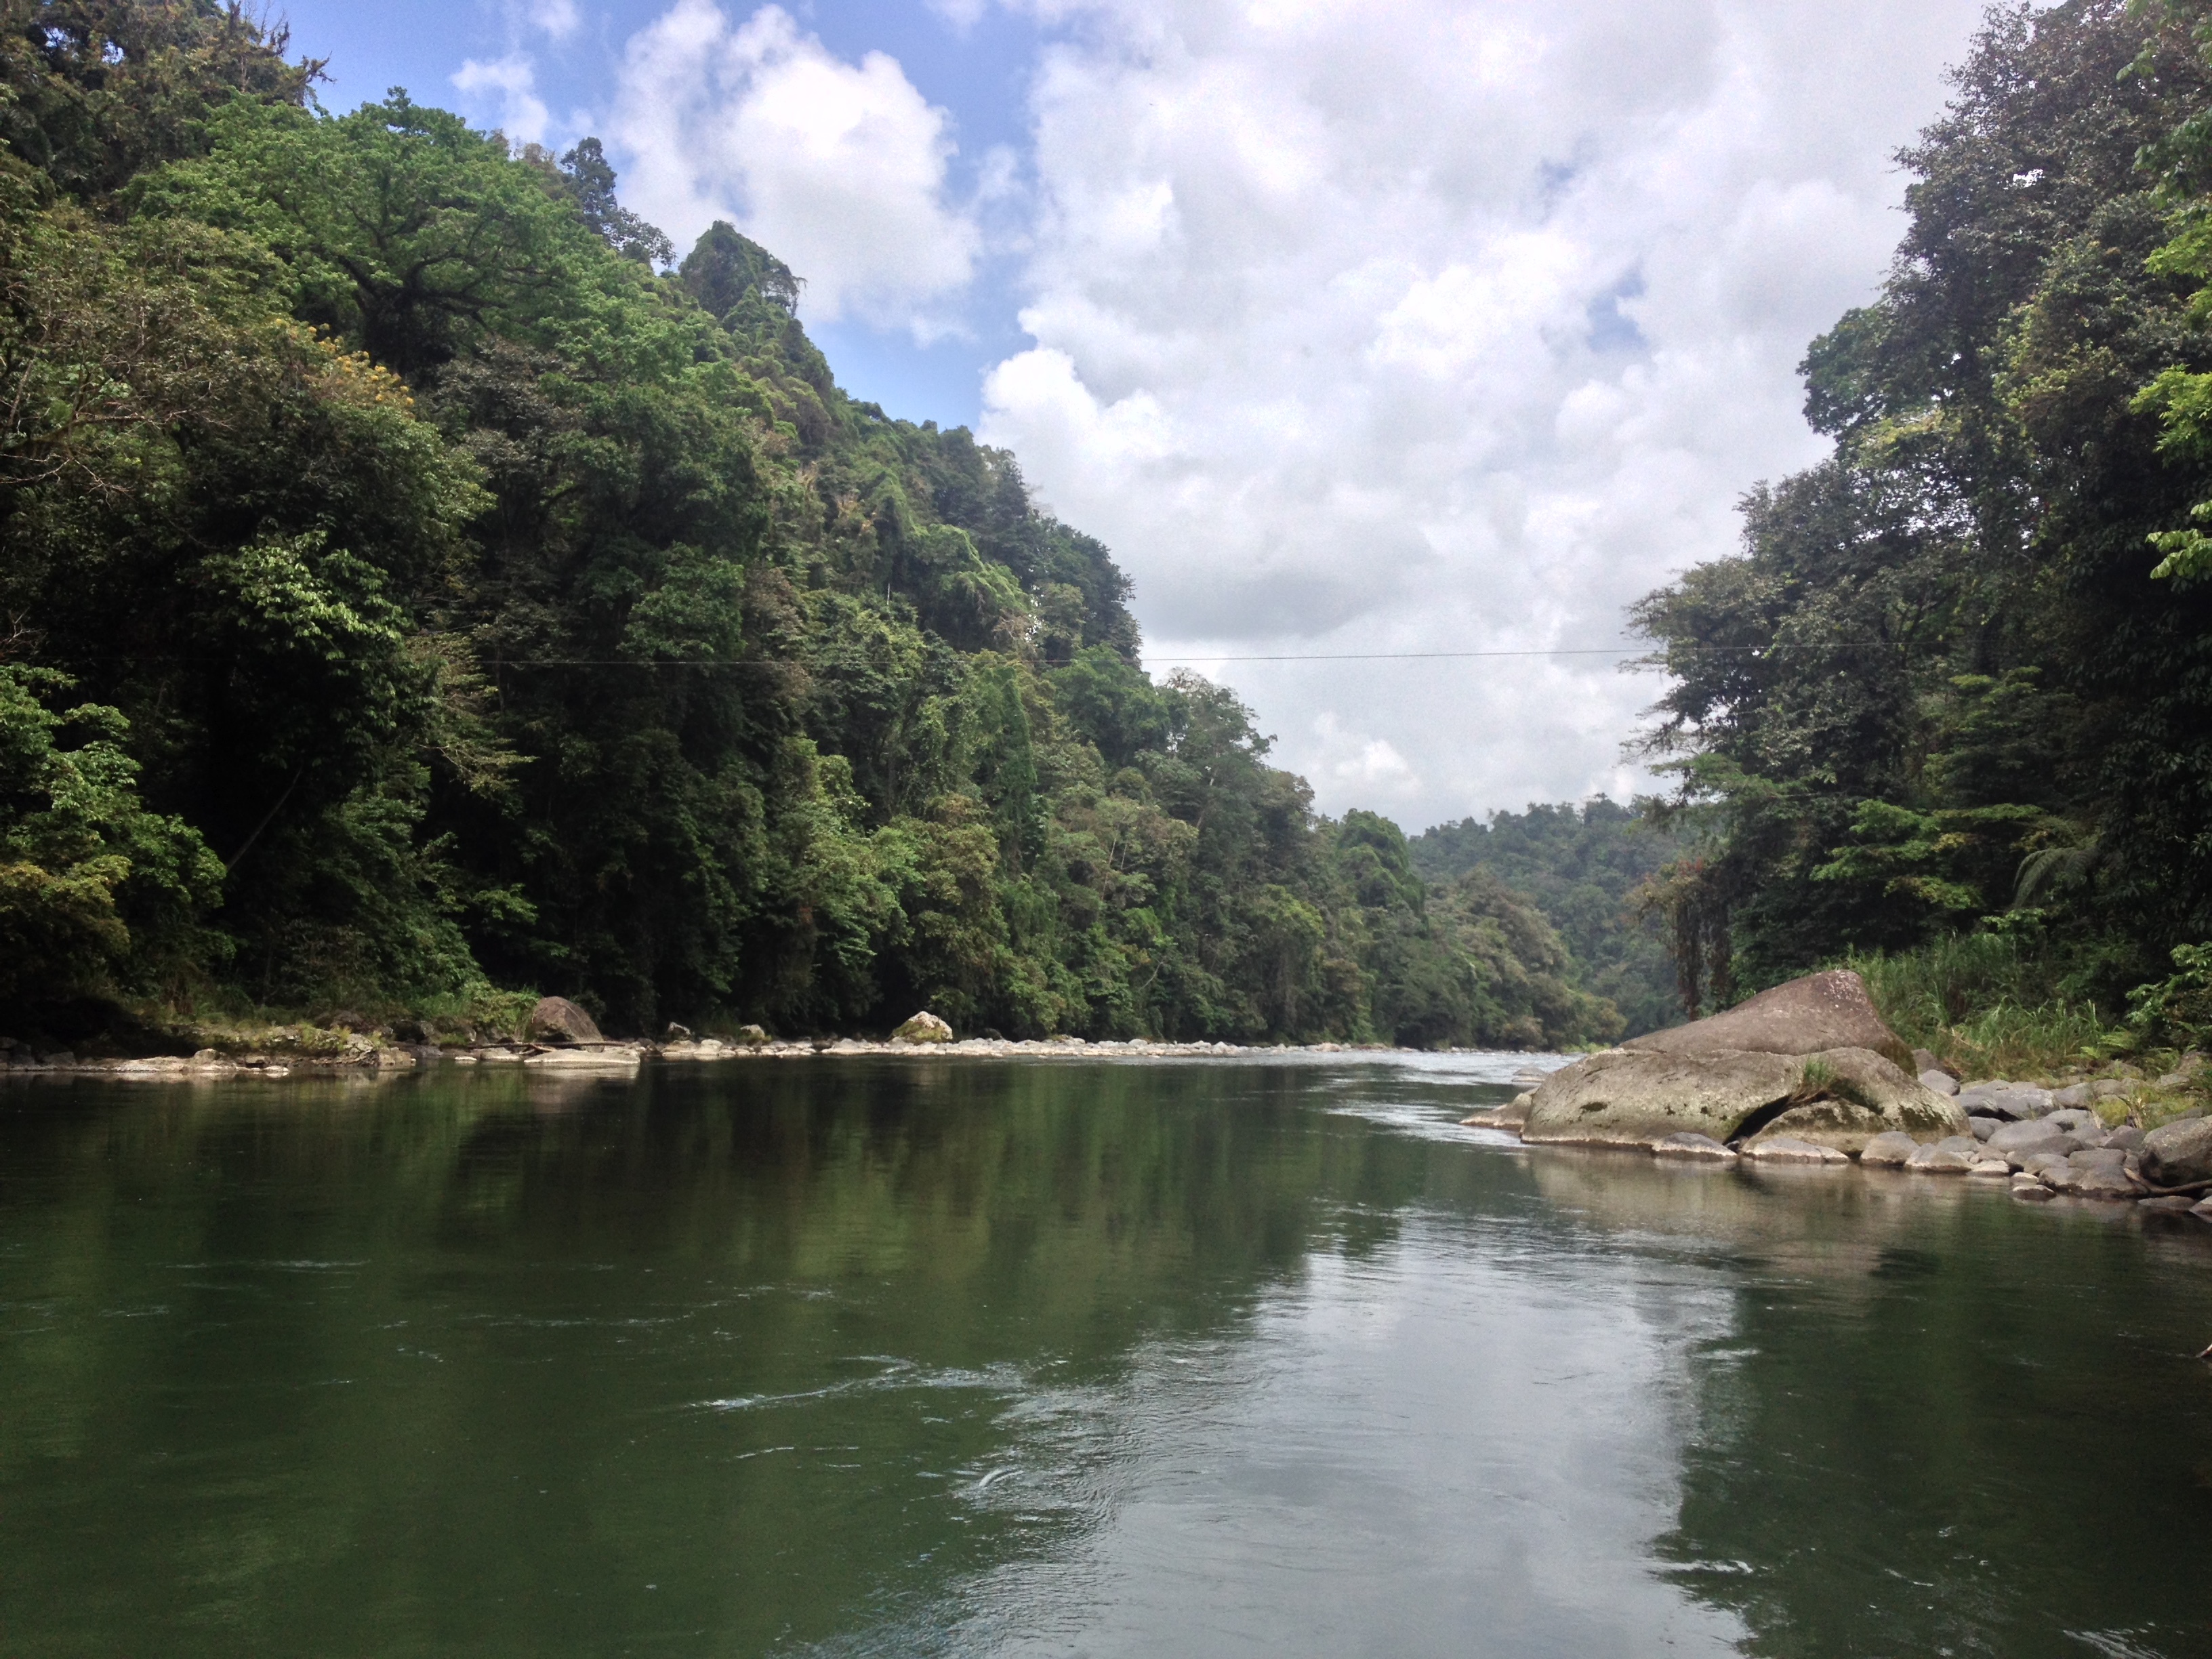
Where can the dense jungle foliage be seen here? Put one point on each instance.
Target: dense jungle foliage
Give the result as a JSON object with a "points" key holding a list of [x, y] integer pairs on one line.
{"points": [[1590, 870], [416, 581], [1958, 682]]}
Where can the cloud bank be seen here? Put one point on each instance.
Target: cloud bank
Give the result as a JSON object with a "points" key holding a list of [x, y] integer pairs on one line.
{"points": [[1400, 325], [839, 168]]}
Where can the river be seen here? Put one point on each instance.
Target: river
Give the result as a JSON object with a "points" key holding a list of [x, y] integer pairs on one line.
{"points": [[1058, 1358]]}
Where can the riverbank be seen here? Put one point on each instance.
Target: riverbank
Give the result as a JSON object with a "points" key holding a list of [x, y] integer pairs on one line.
{"points": [[320, 1052], [2085, 1137]]}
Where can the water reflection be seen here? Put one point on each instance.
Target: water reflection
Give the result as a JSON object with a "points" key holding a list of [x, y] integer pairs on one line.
{"points": [[1938, 1421], [857, 1357]]}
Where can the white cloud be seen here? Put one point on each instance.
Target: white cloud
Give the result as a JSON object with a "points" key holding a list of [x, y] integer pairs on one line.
{"points": [[1368, 768], [522, 115], [558, 18], [1443, 326], [840, 168]]}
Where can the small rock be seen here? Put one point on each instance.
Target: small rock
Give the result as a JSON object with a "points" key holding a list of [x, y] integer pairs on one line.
{"points": [[1690, 1146], [924, 1027], [1991, 1168], [2040, 1162], [1965, 1145], [1983, 1128], [1941, 1082], [2109, 1088], [2104, 1184], [2074, 1094], [1787, 1149], [2169, 1205], [2127, 1136], [2011, 1101], [2033, 1191], [2203, 1210], [205, 1056], [1924, 1059], [2076, 1121], [2024, 1137], [1939, 1160], [1892, 1149]]}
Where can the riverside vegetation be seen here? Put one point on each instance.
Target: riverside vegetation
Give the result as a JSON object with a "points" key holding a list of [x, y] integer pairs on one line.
{"points": [[423, 590], [1947, 717]]}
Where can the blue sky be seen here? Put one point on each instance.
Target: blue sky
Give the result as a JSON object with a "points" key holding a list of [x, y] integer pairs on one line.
{"points": [[1352, 326]]}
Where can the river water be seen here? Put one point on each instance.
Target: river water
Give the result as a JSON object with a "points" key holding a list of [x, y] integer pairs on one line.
{"points": [[1068, 1357]]}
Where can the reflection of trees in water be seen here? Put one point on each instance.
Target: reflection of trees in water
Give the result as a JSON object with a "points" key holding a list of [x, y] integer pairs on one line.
{"points": [[1941, 1422], [762, 1334]]}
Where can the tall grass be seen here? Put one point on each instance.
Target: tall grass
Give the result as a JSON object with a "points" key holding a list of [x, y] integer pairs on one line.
{"points": [[1985, 1005]]}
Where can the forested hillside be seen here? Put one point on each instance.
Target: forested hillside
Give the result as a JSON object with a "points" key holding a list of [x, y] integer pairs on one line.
{"points": [[1959, 680], [415, 582], [1590, 870]]}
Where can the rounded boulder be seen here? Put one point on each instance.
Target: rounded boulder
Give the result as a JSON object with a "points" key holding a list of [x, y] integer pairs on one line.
{"points": [[2179, 1154], [559, 1020]]}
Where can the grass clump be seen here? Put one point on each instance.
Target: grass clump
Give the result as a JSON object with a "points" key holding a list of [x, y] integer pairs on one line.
{"points": [[1988, 1005]]}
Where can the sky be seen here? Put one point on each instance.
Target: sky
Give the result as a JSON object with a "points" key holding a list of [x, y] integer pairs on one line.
{"points": [[1367, 333]]}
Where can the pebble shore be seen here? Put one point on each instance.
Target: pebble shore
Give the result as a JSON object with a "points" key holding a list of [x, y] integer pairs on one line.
{"points": [[360, 1055], [2043, 1144]]}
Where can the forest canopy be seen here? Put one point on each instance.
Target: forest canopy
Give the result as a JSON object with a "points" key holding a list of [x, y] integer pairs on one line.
{"points": [[418, 581]]}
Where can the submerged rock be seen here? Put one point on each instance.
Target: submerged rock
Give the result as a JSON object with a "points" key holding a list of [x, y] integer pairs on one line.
{"points": [[1691, 1146], [1939, 1160], [1807, 1016], [1787, 1149], [1892, 1149], [1512, 1116]]}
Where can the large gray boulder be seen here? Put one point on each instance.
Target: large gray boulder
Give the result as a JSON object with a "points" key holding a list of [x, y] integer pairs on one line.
{"points": [[2179, 1153], [1840, 1097], [1807, 1016], [557, 1019]]}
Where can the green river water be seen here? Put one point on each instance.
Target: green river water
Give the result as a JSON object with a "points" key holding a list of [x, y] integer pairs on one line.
{"points": [[848, 1357]]}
